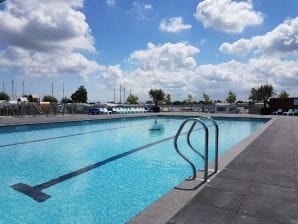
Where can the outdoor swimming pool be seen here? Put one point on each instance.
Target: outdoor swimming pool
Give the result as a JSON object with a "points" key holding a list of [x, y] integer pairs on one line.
{"points": [[99, 171]]}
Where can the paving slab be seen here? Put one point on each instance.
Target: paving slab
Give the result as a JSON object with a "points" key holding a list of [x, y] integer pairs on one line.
{"points": [[237, 174], [245, 219], [230, 184], [274, 192], [194, 213], [275, 179], [226, 200], [270, 209]]}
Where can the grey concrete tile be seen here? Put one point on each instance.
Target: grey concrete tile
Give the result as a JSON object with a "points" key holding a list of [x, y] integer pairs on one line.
{"points": [[236, 174], [194, 213], [274, 179], [278, 171], [243, 166], [281, 157], [260, 147], [245, 219], [229, 184], [270, 209], [250, 157], [226, 200], [278, 164], [273, 192]]}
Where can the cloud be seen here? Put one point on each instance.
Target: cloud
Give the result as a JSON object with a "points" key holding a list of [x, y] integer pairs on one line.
{"points": [[227, 15], [45, 38], [173, 68], [111, 2], [203, 41], [168, 56], [165, 66], [51, 38], [45, 26], [173, 25], [281, 41], [23, 62], [141, 9], [111, 76], [240, 77]]}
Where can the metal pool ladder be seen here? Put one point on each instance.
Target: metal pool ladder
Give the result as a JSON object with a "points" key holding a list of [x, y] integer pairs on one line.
{"points": [[204, 157]]}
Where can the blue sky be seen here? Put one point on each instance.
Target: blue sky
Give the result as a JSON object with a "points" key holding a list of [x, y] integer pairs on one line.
{"points": [[196, 47]]}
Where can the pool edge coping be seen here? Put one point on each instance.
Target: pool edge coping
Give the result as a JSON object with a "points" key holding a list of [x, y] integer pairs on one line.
{"points": [[163, 209], [81, 118]]}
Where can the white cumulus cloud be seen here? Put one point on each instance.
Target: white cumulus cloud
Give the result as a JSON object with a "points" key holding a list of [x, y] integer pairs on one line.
{"points": [[167, 66], [45, 38], [111, 2], [173, 25], [228, 15], [141, 9], [173, 68], [168, 56], [282, 41]]}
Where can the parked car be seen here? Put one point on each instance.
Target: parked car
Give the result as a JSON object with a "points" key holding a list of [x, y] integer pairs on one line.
{"points": [[93, 111]]}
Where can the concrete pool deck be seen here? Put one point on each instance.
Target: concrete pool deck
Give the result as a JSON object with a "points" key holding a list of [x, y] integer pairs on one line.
{"points": [[257, 182]]}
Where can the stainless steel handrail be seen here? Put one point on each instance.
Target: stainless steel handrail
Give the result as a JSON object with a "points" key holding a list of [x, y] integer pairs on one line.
{"points": [[189, 143], [195, 121], [216, 143]]}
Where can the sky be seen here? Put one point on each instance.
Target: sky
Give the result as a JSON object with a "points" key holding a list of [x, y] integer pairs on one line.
{"points": [[180, 46]]}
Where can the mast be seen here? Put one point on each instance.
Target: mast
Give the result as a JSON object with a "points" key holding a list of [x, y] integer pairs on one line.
{"points": [[52, 89], [63, 89], [120, 94]]}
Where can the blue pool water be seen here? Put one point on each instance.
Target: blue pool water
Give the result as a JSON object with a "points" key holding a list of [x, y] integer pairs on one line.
{"points": [[118, 186]]}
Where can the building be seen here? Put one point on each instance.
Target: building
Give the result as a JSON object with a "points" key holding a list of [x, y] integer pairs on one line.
{"points": [[228, 108], [283, 103]]}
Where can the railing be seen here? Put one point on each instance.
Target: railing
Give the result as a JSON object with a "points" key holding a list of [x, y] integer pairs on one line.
{"points": [[204, 156], [216, 136]]}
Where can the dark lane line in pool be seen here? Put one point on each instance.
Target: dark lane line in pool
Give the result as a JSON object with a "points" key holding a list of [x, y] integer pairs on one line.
{"points": [[35, 192], [71, 135]]}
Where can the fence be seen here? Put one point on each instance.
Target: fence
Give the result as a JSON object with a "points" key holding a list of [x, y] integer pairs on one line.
{"points": [[37, 109]]}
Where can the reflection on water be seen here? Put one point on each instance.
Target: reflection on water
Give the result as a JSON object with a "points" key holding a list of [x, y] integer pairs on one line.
{"points": [[157, 128]]}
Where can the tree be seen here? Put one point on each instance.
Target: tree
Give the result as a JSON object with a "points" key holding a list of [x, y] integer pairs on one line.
{"points": [[157, 96], [177, 102], [31, 99], [231, 98], [66, 100], [4, 96], [283, 94], [189, 100], [262, 94], [206, 99], [168, 99], [132, 99], [80, 96], [49, 98]]}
